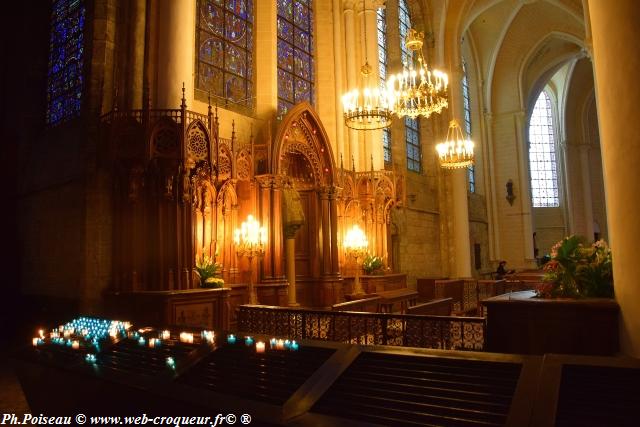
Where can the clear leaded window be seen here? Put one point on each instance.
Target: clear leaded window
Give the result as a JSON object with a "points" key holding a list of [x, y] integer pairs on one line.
{"points": [[66, 55], [381, 19], [466, 103], [224, 38], [295, 53], [412, 133], [542, 155]]}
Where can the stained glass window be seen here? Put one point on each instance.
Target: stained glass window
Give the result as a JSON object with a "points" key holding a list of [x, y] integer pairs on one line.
{"points": [[404, 25], [381, 19], [542, 155], [66, 55], [412, 134], [411, 126], [224, 39], [466, 103], [295, 53]]}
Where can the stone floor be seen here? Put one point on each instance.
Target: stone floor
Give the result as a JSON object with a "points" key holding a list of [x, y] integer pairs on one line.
{"points": [[12, 398]]}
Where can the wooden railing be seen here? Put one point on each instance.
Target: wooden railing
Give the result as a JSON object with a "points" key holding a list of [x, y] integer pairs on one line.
{"points": [[439, 332]]}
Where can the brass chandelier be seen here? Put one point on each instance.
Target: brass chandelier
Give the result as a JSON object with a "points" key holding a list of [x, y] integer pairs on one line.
{"points": [[367, 108], [456, 151], [417, 90]]}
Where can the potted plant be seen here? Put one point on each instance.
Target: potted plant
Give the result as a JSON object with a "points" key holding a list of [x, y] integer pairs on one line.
{"points": [[372, 264], [209, 272], [576, 270]]}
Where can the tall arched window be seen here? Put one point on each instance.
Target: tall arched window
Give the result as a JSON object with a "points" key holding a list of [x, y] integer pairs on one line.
{"points": [[381, 18], [224, 38], [411, 126], [66, 57], [542, 155], [295, 53], [466, 104]]}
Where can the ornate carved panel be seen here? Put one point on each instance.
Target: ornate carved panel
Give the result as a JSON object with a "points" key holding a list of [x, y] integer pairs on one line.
{"points": [[197, 142]]}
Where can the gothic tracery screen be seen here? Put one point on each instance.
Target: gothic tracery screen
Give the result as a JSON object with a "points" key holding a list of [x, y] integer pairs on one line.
{"points": [[66, 52], [295, 53], [224, 39]]}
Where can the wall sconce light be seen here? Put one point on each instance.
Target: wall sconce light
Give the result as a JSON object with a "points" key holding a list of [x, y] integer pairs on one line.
{"points": [[510, 196]]}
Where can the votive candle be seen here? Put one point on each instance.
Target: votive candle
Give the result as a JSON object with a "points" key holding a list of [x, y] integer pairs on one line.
{"points": [[259, 347], [36, 341], [231, 339], [165, 335], [75, 344]]}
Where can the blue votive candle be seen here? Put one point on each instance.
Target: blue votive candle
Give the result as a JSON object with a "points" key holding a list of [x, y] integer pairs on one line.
{"points": [[248, 341], [231, 339]]}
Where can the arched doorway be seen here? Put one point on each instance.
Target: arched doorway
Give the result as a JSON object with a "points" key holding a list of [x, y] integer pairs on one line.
{"points": [[303, 158]]}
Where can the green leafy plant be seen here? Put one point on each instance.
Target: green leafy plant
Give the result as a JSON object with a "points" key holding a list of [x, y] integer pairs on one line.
{"points": [[576, 270], [209, 270], [372, 264]]}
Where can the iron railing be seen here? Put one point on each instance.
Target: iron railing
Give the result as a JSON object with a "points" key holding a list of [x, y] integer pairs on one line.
{"points": [[406, 330]]}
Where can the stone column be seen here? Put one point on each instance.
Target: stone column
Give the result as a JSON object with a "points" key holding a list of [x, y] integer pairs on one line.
{"points": [[616, 63], [135, 77], [585, 168], [338, 51], [290, 247], [352, 73], [333, 210], [525, 193], [460, 183], [176, 50], [326, 232], [266, 52]]}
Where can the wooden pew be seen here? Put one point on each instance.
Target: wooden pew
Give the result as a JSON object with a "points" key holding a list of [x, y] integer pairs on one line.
{"points": [[437, 307], [366, 305], [463, 292], [405, 297], [426, 287], [488, 289]]}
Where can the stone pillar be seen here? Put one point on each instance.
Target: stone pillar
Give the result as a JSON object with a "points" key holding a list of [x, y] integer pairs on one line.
{"points": [[585, 168], [525, 193], [338, 51], [326, 232], [266, 52], [616, 64], [460, 184], [135, 77], [333, 211], [290, 247], [352, 73], [176, 22], [569, 214]]}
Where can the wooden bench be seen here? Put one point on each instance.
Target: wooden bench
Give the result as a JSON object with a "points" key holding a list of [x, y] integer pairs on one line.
{"points": [[365, 305], [405, 297], [437, 307], [426, 287]]}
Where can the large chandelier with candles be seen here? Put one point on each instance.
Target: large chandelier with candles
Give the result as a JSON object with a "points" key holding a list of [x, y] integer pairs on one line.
{"points": [[417, 90], [366, 108], [456, 151]]}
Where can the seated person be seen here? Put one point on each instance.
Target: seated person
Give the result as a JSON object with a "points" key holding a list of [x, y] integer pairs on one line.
{"points": [[501, 272]]}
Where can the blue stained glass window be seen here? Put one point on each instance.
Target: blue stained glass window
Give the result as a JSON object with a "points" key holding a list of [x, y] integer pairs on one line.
{"points": [[225, 48], [411, 126], [295, 53], [542, 155], [381, 19], [66, 56], [466, 103], [412, 136], [404, 18]]}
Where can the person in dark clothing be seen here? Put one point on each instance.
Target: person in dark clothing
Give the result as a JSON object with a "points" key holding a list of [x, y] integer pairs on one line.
{"points": [[501, 272]]}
